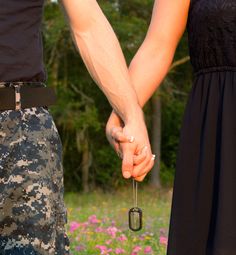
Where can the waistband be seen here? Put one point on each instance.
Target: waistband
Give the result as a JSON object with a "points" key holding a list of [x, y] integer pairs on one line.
{"points": [[215, 69]]}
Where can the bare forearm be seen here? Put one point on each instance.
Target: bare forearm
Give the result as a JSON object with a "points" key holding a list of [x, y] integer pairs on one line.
{"points": [[103, 57], [148, 77], [154, 57], [106, 65]]}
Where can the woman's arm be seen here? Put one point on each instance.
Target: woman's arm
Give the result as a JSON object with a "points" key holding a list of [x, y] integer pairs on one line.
{"points": [[167, 26], [153, 59]]}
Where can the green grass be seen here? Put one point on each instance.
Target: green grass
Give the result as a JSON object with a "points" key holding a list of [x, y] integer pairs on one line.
{"points": [[110, 221]]}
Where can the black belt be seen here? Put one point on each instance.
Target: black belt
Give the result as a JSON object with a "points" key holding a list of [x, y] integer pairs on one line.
{"points": [[19, 95]]}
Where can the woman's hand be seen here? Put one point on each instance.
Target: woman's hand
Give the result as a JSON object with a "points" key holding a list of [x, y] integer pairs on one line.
{"points": [[132, 145]]}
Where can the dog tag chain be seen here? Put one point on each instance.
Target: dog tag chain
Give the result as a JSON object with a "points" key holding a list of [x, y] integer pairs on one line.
{"points": [[135, 213]]}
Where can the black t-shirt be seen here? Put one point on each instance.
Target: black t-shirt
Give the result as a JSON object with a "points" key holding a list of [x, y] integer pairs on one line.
{"points": [[21, 49]]}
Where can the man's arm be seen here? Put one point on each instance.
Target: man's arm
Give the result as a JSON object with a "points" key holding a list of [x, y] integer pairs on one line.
{"points": [[102, 55]]}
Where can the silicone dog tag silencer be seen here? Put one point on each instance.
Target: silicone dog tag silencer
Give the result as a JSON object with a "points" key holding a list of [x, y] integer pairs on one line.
{"points": [[135, 219]]}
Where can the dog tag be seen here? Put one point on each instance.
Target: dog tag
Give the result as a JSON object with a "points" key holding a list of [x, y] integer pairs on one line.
{"points": [[135, 213], [135, 219]]}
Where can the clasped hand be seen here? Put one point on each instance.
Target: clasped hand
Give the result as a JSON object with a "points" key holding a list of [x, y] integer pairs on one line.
{"points": [[132, 145]]}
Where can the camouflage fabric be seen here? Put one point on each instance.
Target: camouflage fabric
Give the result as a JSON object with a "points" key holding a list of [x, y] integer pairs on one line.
{"points": [[32, 210]]}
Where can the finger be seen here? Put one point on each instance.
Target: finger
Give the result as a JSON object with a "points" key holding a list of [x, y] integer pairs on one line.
{"points": [[115, 145], [140, 178], [141, 157], [127, 162], [146, 171], [118, 135], [119, 154], [144, 167]]}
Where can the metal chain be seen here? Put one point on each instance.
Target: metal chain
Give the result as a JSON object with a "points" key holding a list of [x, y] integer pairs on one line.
{"points": [[135, 193]]}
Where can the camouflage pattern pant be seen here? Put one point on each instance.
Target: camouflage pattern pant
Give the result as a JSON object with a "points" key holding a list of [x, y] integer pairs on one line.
{"points": [[32, 210]]}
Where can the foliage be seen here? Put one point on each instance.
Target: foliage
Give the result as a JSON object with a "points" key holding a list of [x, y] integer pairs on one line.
{"points": [[82, 110]]}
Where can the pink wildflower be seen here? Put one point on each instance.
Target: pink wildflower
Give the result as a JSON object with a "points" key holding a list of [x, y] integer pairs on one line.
{"points": [[122, 238], [163, 240], [112, 231], [74, 225], [136, 249], [108, 241], [119, 251], [99, 229], [148, 250], [93, 219], [103, 249]]}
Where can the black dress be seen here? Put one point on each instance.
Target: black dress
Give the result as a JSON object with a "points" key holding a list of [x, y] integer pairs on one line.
{"points": [[203, 213]]}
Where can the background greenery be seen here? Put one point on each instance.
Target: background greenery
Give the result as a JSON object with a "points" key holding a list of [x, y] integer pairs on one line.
{"points": [[99, 220], [82, 110]]}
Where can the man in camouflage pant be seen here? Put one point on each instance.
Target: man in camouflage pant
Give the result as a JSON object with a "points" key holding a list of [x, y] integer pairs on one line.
{"points": [[32, 210], [31, 185]]}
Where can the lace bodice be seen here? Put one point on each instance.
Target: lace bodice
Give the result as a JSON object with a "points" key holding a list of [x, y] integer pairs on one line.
{"points": [[211, 30]]}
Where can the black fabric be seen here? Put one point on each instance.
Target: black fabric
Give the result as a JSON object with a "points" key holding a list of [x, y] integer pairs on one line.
{"points": [[212, 34], [203, 208], [21, 51]]}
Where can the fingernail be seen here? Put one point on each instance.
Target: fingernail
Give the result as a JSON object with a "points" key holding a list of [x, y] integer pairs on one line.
{"points": [[153, 156], [126, 174], [131, 139]]}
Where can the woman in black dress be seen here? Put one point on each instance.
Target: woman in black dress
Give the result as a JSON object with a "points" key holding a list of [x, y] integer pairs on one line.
{"points": [[203, 209]]}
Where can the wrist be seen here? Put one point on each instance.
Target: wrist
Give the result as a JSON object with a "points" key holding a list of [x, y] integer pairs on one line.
{"points": [[133, 116]]}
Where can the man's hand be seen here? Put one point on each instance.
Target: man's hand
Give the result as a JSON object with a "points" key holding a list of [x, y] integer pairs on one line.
{"points": [[132, 144]]}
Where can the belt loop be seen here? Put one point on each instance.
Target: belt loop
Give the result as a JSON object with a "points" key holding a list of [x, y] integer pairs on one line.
{"points": [[17, 95]]}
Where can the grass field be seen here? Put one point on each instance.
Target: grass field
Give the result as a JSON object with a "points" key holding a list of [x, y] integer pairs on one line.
{"points": [[98, 222]]}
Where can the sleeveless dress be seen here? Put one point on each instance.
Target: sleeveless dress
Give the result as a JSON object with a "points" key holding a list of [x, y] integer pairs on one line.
{"points": [[203, 212], [32, 210]]}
